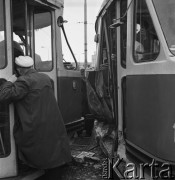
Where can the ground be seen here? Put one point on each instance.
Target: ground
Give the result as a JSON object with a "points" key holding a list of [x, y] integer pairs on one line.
{"points": [[88, 157], [84, 168]]}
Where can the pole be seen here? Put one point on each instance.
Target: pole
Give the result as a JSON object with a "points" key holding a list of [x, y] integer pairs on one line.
{"points": [[85, 34]]}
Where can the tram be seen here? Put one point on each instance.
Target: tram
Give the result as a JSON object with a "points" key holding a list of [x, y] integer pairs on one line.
{"points": [[34, 27], [135, 74]]}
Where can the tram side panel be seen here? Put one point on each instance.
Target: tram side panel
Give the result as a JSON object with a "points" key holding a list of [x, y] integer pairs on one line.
{"points": [[149, 117], [150, 114], [70, 97]]}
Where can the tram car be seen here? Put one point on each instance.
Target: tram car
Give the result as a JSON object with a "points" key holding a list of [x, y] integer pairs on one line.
{"points": [[35, 28], [135, 74]]}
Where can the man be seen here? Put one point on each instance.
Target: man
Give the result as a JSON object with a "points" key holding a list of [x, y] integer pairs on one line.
{"points": [[39, 131], [139, 49]]}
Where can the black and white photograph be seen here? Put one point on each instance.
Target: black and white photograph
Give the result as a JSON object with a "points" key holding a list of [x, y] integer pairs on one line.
{"points": [[87, 89]]}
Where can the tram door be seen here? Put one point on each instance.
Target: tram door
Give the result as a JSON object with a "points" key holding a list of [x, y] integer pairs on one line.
{"points": [[7, 146], [44, 45], [25, 27], [33, 30], [105, 77]]}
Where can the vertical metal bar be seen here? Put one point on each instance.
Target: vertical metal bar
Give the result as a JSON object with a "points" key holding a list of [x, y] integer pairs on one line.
{"points": [[8, 165], [31, 25], [26, 28], [85, 34]]}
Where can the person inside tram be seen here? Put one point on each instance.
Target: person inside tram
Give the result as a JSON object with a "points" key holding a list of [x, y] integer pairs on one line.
{"points": [[17, 51], [39, 131], [139, 49]]}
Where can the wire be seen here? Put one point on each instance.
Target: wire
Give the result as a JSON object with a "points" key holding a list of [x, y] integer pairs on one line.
{"points": [[69, 46], [125, 12]]}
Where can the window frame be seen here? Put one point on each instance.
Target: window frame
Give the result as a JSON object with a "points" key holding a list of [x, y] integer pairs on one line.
{"points": [[49, 10], [138, 61], [104, 37], [5, 37]]}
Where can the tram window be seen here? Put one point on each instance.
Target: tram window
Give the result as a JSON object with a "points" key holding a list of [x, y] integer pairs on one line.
{"points": [[104, 60], [3, 59], [111, 32], [18, 45], [43, 41], [19, 29], [166, 15], [104, 51], [146, 43]]}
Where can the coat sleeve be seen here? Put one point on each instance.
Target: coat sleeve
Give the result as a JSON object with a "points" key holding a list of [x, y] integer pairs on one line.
{"points": [[13, 91]]}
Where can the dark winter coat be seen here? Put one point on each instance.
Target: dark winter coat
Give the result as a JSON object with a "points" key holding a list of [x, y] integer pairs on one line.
{"points": [[39, 130]]}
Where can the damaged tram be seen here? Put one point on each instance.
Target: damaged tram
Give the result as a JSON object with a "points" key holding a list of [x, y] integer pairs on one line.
{"points": [[135, 75], [35, 27]]}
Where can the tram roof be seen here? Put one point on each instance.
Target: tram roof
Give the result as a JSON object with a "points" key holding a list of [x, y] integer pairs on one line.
{"points": [[57, 3]]}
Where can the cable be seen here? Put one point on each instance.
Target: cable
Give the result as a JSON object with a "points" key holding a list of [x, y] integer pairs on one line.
{"points": [[125, 12], [69, 46]]}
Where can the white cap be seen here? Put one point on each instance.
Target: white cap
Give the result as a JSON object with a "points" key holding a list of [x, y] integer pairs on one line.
{"points": [[24, 61]]}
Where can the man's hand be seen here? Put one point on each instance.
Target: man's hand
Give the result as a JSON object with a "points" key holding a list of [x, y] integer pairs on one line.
{"points": [[13, 78]]}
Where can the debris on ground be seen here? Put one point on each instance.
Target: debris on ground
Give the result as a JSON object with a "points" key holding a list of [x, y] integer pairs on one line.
{"points": [[87, 160], [90, 153], [81, 156], [95, 159]]}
